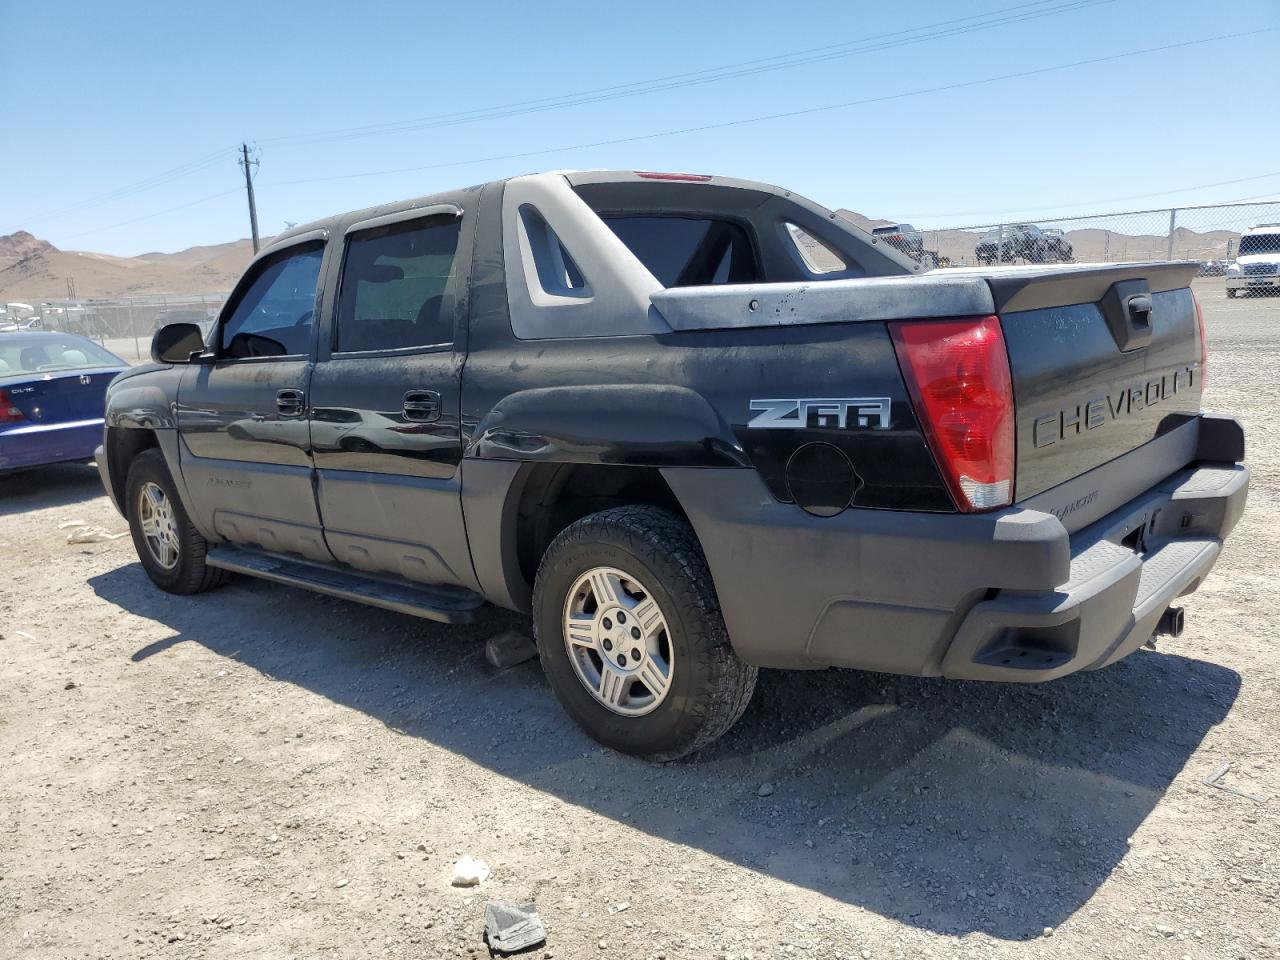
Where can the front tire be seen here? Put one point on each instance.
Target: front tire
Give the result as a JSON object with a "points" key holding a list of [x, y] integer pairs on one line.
{"points": [[171, 549], [631, 636]]}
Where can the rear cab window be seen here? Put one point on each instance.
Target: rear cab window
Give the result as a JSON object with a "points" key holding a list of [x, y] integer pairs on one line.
{"points": [[688, 251], [700, 231]]}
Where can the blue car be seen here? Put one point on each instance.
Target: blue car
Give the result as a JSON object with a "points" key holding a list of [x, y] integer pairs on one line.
{"points": [[52, 389]]}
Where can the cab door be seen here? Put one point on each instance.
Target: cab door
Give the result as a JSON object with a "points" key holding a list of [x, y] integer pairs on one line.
{"points": [[385, 399], [242, 414]]}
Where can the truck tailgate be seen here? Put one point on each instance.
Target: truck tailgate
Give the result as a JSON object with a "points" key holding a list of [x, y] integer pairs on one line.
{"points": [[1104, 359]]}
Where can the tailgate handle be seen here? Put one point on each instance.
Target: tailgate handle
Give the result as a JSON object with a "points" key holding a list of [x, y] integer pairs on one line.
{"points": [[1140, 310], [1127, 308]]}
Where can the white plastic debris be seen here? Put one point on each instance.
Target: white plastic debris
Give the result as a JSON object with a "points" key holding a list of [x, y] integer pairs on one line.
{"points": [[470, 871], [93, 535]]}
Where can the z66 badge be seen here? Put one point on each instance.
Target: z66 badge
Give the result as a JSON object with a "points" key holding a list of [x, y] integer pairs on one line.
{"points": [[841, 413]]}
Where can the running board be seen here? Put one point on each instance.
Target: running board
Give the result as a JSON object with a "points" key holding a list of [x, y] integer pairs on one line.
{"points": [[445, 604]]}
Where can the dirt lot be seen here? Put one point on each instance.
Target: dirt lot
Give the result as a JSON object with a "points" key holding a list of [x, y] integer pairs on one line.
{"points": [[259, 772]]}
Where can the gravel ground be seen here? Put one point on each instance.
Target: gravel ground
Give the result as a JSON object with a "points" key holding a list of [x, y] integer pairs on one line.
{"points": [[259, 772]]}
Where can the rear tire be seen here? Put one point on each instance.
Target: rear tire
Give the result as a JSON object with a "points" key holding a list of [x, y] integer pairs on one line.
{"points": [[171, 549], [680, 685], [1231, 294]]}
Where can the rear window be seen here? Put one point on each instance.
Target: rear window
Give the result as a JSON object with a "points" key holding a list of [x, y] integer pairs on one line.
{"points": [[688, 251], [51, 353]]}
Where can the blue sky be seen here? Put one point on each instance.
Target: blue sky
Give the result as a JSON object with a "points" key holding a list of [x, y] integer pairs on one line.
{"points": [[96, 97]]}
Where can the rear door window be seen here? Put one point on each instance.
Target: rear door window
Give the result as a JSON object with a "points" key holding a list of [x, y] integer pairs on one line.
{"points": [[397, 286], [688, 251], [276, 313]]}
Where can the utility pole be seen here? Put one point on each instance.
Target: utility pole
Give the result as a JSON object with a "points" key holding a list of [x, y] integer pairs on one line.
{"points": [[248, 186]]}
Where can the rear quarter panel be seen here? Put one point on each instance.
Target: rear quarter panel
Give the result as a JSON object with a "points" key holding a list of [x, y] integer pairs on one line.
{"points": [[684, 399]]}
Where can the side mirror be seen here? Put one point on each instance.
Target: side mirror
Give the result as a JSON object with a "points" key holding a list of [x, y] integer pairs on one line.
{"points": [[176, 342]]}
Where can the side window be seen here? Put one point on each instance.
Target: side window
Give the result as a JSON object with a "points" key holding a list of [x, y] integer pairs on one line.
{"points": [[397, 286], [557, 273], [817, 256], [275, 315]]}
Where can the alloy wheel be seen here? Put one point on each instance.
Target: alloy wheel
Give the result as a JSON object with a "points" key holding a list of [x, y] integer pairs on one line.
{"points": [[618, 641], [159, 526]]}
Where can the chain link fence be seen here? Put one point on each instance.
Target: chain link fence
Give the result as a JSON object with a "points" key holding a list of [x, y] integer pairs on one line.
{"points": [[1210, 234], [124, 325]]}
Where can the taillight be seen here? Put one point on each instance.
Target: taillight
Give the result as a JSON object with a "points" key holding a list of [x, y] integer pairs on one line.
{"points": [[958, 375], [9, 413], [1204, 344]]}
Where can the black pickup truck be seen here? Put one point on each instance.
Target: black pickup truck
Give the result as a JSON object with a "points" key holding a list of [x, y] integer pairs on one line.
{"points": [[695, 426]]}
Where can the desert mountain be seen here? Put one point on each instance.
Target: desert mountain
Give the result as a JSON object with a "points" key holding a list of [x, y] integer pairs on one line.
{"points": [[17, 246], [34, 269]]}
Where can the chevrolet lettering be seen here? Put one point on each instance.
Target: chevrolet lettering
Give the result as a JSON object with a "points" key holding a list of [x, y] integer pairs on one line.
{"points": [[1052, 427]]}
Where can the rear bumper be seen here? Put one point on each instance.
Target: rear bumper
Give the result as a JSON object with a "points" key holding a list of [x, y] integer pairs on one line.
{"points": [[1126, 570], [1006, 596], [36, 444]]}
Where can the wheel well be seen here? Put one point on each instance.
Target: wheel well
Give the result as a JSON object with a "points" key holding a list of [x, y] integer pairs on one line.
{"points": [[556, 494], [122, 446]]}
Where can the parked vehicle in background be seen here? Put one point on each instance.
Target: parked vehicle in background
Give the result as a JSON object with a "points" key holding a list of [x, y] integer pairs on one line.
{"points": [[20, 312], [902, 237], [1257, 265], [200, 316], [1212, 268], [1057, 248], [639, 407], [1014, 242], [52, 390], [13, 326]]}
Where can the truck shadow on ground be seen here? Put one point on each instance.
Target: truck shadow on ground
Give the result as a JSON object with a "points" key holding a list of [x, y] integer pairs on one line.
{"points": [[950, 806], [42, 488]]}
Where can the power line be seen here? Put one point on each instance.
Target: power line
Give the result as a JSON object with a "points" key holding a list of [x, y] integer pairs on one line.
{"points": [[151, 216], [787, 114], [192, 166], [710, 75], [1087, 203]]}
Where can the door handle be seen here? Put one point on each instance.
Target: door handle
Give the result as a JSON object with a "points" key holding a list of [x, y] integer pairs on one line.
{"points": [[290, 403], [421, 406]]}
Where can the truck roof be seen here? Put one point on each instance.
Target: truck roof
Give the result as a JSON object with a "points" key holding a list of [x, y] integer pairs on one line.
{"points": [[680, 190]]}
